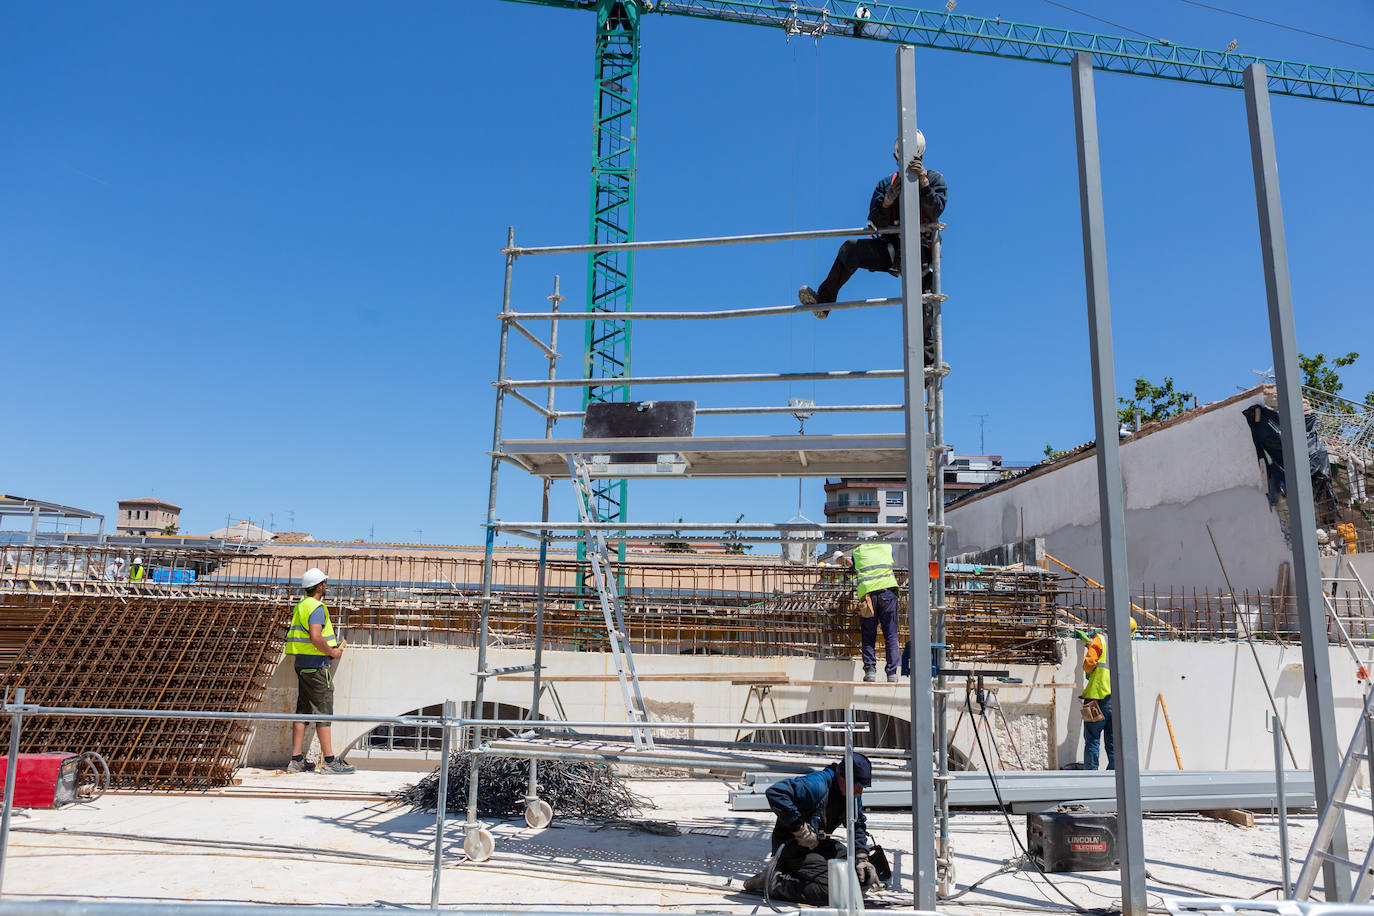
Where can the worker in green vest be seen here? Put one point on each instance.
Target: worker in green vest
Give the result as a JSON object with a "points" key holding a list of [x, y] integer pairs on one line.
{"points": [[875, 586], [1097, 698], [136, 572], [311, 641]]}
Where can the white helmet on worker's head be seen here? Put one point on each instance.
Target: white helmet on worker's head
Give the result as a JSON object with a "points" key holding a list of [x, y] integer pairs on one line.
{"points": [[920, 146], [138, 560], [313, 577]]}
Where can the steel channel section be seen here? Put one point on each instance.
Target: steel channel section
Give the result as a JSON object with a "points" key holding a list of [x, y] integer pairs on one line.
{"points": [[850, 875], [918, 531], [81, 908], [1316, 661], [1281, 807], [1109, 489], [471, 824], [442, 806]]}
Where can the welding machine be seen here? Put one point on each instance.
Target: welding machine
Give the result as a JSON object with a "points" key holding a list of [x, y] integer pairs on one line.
{"points": [[1072, 840], [43, 780]]}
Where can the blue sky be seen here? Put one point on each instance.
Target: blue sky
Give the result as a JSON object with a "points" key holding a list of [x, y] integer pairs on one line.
{"points": [[250, 259]]}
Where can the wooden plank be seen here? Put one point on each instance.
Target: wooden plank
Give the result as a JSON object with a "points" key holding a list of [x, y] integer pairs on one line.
{"points": [[1238, 816]]}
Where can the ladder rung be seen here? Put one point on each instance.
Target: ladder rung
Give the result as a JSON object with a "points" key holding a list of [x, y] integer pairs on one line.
{"points": [[1346, 806], [1353, 866]]}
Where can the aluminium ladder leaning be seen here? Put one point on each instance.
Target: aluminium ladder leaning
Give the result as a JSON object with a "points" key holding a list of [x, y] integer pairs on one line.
{"points": [[611, 608], [1360, 750]]}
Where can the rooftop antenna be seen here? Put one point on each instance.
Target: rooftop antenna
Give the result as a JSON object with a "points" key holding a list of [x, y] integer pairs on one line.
{"points": [[981, 418]]}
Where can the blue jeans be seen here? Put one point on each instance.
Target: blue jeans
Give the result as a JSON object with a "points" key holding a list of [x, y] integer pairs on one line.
{"points": [[885, 605], [1092, 736]]}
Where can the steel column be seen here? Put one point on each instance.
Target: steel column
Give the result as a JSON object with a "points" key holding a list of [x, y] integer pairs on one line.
{"points": [[1302, 520], [1109, 491], [918, 498], [11, 772], [444, 754]]}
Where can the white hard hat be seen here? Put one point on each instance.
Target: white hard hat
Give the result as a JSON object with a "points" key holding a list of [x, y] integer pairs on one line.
{"points": [[920, 146], [313, 577], [868, 535], [138, 559]]}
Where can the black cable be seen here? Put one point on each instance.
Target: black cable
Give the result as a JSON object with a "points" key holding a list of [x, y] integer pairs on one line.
{"points": [[1277, 25], [1008, 866], [1115, 25], [1011, 828]]}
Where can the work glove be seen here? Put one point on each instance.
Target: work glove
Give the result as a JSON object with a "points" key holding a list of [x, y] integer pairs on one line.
{"points": [[868, 874], [805, 837], [1080, 635]]}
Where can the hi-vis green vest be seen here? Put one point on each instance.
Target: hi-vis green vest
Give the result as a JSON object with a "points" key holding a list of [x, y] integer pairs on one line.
{"points": [[1100, 681], [298, 633], [873, 568], [136, 574]]}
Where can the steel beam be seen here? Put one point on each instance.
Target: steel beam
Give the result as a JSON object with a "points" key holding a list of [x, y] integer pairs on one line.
{"points": [[1109, 490], [1302, 521], [918, 498]]}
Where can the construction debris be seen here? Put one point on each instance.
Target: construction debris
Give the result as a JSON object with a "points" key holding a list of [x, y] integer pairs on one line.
{"points": [[586, 790]]}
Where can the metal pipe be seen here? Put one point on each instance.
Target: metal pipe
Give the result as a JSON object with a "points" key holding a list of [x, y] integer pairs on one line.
{"points": [[850, 875], [86, 908], [755, 312], [1109, 490], [1281, 802], [918, 526], [723, 411], [832, 375], [938, 625], [15, 709], [444, 754], [691, 526], [651, 245], [488, 554], [11, 774], [1316, 660]]}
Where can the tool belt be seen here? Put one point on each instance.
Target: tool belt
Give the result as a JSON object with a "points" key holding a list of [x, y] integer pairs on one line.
{"points": [[1092, 710], [865, 606]]}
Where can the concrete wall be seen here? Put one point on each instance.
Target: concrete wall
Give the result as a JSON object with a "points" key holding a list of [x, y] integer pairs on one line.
{"points": [[1214, 695], [1178, 478]]}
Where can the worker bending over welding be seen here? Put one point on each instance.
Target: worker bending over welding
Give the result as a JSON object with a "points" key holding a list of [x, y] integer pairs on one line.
{"points": [[884, 251], [311, 640], [875, 588], [808, 808], [1097, 698]]}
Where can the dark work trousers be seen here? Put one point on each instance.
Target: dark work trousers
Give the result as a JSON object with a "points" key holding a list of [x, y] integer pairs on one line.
{"points": [[1092, 737], [885, 605], [802, 875], [865, 254]]}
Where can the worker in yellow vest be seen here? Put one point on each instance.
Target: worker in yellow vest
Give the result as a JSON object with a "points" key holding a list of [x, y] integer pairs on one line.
{"points": [[136, 572], [1097, 698], [875, 586], [311, 641]]}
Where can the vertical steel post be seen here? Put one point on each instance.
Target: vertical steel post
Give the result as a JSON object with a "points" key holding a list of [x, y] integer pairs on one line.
{"points": [[1281, 802], [918, 522], [1109, 492], [444, 753], [938, 629], [849, 814], [532, 791], [11, 768], [487, 556], [1302, 520]]}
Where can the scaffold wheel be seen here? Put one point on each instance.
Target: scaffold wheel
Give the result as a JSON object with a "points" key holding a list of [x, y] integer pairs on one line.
{"points": [[479, 844], [538, 813]]}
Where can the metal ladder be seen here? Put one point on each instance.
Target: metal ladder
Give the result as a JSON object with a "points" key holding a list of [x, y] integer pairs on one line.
{"points": [[611, 607], [1361, 750]]}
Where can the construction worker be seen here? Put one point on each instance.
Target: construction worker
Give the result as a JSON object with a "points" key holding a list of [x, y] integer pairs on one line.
{"points": [[311, 641], [808, 808], [136, 572], [1097, 698], [875, 587], [884, 252]]}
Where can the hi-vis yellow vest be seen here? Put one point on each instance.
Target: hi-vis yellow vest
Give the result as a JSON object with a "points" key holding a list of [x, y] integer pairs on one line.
{"points": [[136, 574], [1100, 681], [298, 633], [873, 568]]}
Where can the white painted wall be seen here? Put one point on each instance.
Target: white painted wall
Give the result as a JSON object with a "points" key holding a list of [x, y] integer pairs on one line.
{"points": [[1215, 697], [1177, 480]]}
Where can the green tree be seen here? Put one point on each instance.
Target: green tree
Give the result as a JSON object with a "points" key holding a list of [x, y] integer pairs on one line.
{"points": [[1323, 378], [1155, 402], [678, 546], [1052, 452], [732, 541]]}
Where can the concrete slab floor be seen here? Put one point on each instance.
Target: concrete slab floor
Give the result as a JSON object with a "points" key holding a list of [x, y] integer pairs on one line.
{"points": [[351, 851]]}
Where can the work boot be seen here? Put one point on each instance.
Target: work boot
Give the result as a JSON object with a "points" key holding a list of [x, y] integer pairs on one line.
{"points": [[870, 675], [337, 767], [300, 766], [807, 296], [893, 677], [754, 885]]}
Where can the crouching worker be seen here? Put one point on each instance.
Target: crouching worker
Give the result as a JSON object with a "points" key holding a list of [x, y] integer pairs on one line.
{"points": [[808, 808]]}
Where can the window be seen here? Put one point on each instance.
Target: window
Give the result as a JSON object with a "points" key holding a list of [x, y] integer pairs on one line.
{"points": [[896, 498]]}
